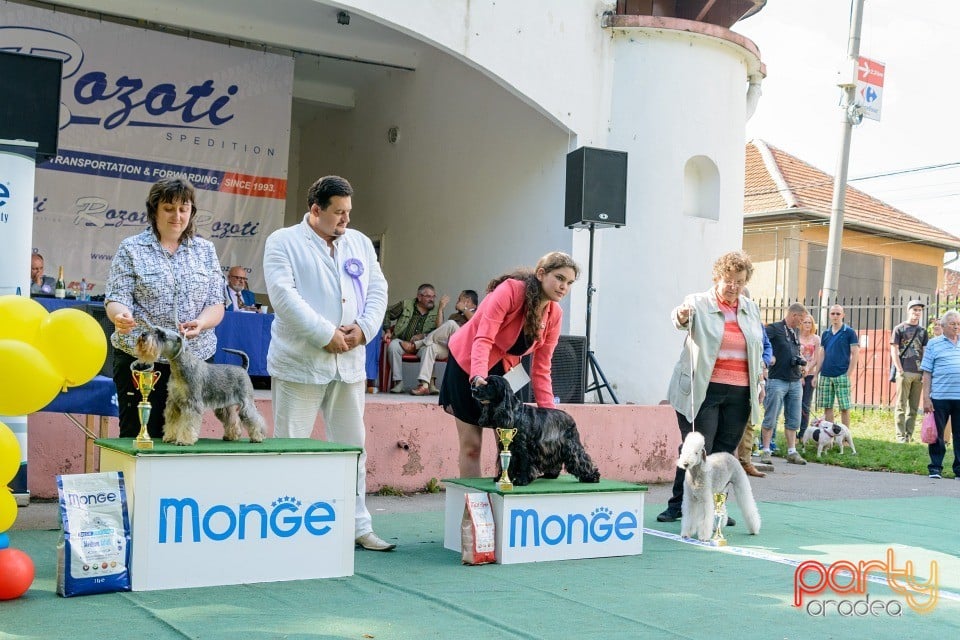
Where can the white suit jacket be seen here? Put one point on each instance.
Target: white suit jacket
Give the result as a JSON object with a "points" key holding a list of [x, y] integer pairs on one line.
{"points": [[312, 295]]}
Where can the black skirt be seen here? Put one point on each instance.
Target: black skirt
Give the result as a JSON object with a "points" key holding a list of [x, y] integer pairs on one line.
{"points": [[455, 395]]}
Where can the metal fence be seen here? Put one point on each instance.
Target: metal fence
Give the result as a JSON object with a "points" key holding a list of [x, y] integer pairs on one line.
{"points": [[874, 320]]}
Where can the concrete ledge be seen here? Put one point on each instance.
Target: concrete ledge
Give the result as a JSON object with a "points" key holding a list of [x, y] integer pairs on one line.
{"points": [[410, 441]]}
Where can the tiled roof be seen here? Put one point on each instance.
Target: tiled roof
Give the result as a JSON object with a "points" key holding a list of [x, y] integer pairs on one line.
{"points": [[779, 184]]}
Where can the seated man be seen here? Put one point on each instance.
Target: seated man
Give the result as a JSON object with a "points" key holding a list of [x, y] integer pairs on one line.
{"points": [[39, 283], [434, 346], [407, 321], [239, 298]]}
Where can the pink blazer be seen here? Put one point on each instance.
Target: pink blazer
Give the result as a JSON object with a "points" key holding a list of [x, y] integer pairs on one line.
{"points": [[478, 345]]}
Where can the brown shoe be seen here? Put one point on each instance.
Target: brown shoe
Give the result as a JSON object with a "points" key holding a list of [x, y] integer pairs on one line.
{"points": [[421, 389], [753, 471]]}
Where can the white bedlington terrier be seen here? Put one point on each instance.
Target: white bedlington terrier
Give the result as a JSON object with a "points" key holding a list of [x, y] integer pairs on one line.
{"points": [[705, 476]]}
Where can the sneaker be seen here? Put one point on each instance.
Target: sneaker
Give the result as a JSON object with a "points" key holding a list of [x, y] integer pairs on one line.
{"points": [[765, 457], [668, 516], [397, 388], [421, 389], [795, 458], [373, 542], [433, 389], [935, 476], [773, 446]]}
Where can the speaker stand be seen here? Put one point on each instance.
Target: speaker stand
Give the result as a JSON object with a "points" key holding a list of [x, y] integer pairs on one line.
{"points": [[594, 366]]}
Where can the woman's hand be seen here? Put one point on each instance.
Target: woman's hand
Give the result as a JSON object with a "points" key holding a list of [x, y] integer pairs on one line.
{"points": [[478, 381], [124, 322], [191, 329], [684, 313]]}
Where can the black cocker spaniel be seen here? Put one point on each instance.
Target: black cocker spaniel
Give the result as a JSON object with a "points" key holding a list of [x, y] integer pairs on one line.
{"points": [[546, 440]]}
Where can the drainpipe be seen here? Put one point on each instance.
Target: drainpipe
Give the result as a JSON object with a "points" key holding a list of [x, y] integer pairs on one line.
{"points": [[753, 94]]}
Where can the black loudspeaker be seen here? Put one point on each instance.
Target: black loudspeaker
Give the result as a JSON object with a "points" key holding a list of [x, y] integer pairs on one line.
{"points": [[568, 371], [30, 105], [596, 188]]}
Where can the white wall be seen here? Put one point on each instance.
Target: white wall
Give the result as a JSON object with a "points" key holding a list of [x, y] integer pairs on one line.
{"points": [[473, 187], [675, 95]]}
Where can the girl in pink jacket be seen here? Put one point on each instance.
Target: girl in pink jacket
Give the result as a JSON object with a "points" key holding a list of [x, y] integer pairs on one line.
{"points": [[520, 315]]}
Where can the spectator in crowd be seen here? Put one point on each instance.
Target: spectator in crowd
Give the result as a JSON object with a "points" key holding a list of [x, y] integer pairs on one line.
{"points": [[520, 315], [784, 391], [838, 353], [168, 277], [239, 297], [810, 350], [434, 345], [718, 379], [907, 343], [39, 283], [941, 391], [325, 314], [407, 322], [745, 448]]}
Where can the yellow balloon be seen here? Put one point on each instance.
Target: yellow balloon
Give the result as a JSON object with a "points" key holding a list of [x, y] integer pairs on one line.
{"points": [[20, 318], [9, 455], [74, 343], [28, 382], [8, 509]]}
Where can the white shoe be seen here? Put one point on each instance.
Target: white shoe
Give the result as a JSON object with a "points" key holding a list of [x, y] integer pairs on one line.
{"points": [[373, 542], [397, 388]]}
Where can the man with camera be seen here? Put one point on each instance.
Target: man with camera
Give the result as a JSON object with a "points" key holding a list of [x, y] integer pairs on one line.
{"points": [[784, 390]]}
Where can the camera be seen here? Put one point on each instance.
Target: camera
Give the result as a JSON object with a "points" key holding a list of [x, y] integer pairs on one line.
{"points": [[798, 361]]}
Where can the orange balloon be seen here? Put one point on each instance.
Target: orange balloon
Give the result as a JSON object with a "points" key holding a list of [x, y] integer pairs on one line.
{"points": [[20, 318], [16, 573], [74, 344], [28, 382]]}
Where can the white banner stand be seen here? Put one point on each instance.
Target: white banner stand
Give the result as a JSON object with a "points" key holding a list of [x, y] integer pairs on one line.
{"points": [[17, 169]]}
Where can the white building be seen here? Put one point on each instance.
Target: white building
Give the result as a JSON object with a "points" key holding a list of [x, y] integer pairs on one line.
{"points": [[453, 118]]}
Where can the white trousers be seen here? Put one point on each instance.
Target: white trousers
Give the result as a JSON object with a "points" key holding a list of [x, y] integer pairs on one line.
{"points": [[295, 408]]}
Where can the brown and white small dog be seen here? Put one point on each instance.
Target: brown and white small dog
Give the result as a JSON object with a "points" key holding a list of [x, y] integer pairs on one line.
{"points": [[828, 434]]}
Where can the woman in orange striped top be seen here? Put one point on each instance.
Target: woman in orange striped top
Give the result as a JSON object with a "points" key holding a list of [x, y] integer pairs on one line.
{"points": [[717, 384]]}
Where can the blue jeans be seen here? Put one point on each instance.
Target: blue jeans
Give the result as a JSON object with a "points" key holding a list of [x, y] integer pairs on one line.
{"points": [[784, 395]]}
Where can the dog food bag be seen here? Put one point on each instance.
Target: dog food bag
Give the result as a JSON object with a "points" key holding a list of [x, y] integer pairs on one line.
{"points": [[93, 555], [478, 539]]}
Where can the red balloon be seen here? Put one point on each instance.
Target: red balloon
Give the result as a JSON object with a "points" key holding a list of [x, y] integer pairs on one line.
{"points": [[16, 573]]}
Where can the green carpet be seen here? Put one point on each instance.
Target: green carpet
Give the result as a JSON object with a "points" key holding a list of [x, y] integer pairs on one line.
{"points": [[674, 590], [212, 447]]}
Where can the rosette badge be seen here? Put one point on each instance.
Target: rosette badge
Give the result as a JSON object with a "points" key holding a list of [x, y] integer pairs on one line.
{"points": [[354, 268]]}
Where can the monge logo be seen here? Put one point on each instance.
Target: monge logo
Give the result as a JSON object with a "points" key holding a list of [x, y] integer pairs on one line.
{"points": [[75, 499], [528, 527], [125, 99], [185, 519]]}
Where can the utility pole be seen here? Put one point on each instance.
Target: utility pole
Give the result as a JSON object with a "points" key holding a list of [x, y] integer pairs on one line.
{"points": [[852, 114]]}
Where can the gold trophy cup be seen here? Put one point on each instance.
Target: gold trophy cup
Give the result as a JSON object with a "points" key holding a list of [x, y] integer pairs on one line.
{"points": [[506, 439], [719, 519], [144, 379]]}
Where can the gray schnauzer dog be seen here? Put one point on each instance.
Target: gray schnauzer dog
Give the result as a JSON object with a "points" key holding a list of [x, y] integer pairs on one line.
{"points": [[196, 385]]}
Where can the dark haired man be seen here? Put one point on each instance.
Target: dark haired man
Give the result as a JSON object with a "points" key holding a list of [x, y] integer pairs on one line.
{"points": [[324, 317]]}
